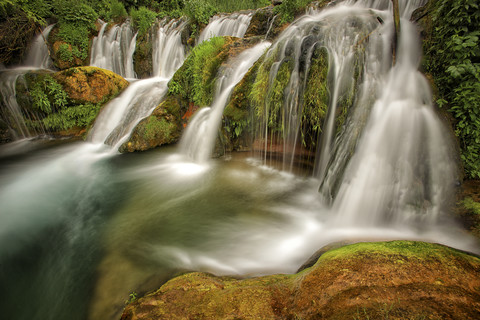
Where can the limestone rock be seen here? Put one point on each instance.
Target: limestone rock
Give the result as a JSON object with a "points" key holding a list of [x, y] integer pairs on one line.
{"points": [[394, 280]]}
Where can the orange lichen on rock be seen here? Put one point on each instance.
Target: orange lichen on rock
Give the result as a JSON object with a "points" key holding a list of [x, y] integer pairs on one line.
{"points": [[90, 84]]}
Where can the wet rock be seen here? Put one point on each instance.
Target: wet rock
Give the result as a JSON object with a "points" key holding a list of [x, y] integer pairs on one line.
{"points": [[162, 127], [394, 280]]}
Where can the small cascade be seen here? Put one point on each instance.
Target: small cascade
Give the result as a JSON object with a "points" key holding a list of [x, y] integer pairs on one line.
{"points": [[119, 117], [113, 49], [199, 138], [15, 117], [38, 56], [168, 51], [235, 24]]}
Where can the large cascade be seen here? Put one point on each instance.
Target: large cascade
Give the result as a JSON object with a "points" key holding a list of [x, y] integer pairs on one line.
{"points": [[381, 157], [235, 25], [113, 49]]}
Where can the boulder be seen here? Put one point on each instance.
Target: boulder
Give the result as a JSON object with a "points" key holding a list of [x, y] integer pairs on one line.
{"points": [[90, 84], [162, 127], [381, 280]]}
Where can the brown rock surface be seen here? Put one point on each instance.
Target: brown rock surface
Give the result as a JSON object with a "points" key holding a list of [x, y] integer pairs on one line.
{"points": [[383, 280]]}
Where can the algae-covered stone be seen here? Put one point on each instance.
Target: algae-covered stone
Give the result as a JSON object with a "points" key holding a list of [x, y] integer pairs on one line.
{"points": [[162, 127], [394, 280]]}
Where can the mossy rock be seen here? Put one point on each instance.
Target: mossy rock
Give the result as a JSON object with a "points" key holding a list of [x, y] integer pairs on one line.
{"points": [[66, 103], [381, 280], [91, 84], [143, 56], [162, 127]]}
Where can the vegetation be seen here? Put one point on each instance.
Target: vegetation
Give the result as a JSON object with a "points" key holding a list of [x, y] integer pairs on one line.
{"points": [[57, 110], [195, 80], [453, 58], [142, 19]]}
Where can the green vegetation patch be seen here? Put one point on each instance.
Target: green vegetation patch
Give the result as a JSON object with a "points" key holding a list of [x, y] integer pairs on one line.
{"points": [[54, 109], [195, 80], [315, 98], [142, 19], [453, 58]]}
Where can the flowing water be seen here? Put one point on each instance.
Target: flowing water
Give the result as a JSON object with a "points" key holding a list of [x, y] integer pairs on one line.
{"points": [[235, 24], [37, 57], [198, 140], [113, 49], [82, 227]]}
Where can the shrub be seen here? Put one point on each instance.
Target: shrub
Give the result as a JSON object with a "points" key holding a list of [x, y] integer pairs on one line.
{"points": [[116, 11], [454, 60], [142, 19], [199, 11]]}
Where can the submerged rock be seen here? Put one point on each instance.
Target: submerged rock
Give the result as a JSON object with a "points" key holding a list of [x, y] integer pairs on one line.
{"points": [[394, 280]]}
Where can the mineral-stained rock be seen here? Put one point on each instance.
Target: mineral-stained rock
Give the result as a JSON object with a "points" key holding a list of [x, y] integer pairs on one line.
{"points": [[394, 280], [90, 84]]}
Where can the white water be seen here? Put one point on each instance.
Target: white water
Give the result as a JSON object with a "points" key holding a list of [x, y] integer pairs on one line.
{"points": [[235, 24], [38, 56], [119, 117], [113, 50], [199, 137], [168, 43], [74, 220]]}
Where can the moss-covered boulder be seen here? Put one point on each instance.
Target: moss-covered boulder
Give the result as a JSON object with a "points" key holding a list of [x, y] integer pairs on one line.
{"points": [[162, 127], [383, 280], [66, 103], [90, 84]]}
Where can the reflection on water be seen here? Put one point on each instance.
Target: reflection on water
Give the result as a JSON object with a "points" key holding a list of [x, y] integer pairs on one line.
{"points": [[81, 228]]}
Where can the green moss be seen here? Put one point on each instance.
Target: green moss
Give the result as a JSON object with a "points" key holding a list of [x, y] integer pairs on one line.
{"points": [[195, 80], [158, 128], [316, 97], [471, 205], [401, 250]]}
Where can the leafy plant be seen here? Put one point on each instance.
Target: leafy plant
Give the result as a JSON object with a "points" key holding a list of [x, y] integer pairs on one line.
{"points": [[116, 11], [195, 80], [199, 11], [454, 60], [142, 19], [132, 298]]}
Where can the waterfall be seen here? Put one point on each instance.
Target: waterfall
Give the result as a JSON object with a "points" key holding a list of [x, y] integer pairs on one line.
{"points": [[119, 117], [38, 56], [199, 138], [388, 162], [113, 50], [168, 51], [234, 24]]}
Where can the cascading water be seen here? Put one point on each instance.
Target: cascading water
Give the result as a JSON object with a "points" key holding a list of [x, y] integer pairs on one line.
{"points": [[199, 138], [235, 25], [168, 43], [120, 116], [113, 50], [73, 221], [37, 57]]}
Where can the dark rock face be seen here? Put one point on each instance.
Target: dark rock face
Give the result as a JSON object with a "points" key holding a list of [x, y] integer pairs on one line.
{"points": [[394, 280]]}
